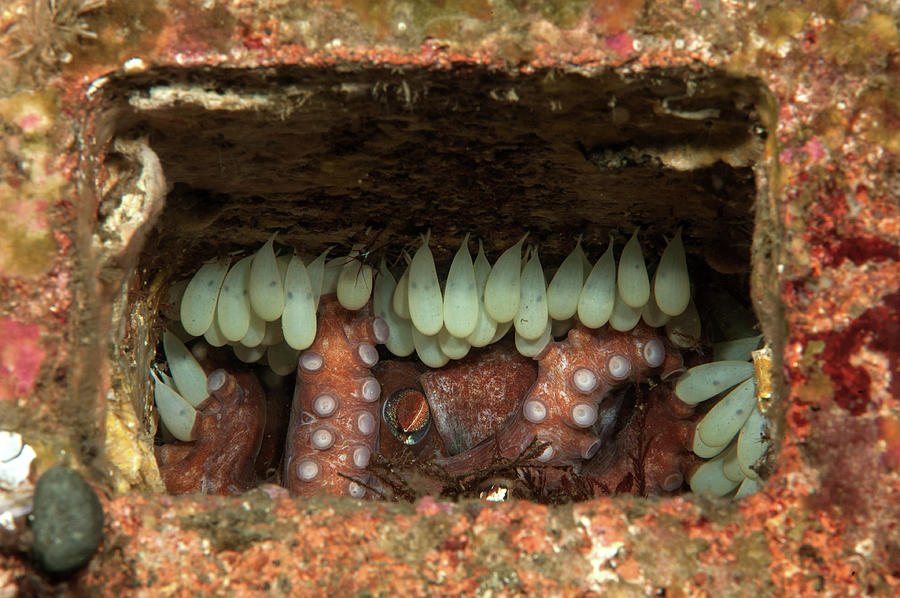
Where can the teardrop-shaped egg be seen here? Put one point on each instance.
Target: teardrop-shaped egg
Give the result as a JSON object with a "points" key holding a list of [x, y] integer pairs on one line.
{"points": [[401, 292], [502, 329], [214, 336], [671, 284], [176, 413], [428, 349], [706, 381], [461, 294], [316, 272], [532, 347], [725, 419], [595, 304], [651, 313], [298, 321], [486, 326], [171, 307], [399, 341], [684, 329], [623, 317], [565, 288], [452, 346], [710, 479], [330, 275], [283, 261], [560, 328], [426, 307], [752, 442], [739, 349], [255, 332], [633, 282], [189, 377], [198, 304], [703, 450], [748, 487], [503, 287], [532, 317], [266, 288], [355, 282], [273, 334], [250, 354], [233, 308], [730, 466], [282, 359]]}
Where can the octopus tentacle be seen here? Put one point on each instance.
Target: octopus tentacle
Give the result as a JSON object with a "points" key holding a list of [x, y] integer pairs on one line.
{"points": [[228, 433], [333, 430]]}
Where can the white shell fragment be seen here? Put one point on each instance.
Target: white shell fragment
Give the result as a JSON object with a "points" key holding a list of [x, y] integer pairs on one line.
{"points": [[233, 311], [426, 307], [671, 284], [595, 304], [710, 479], [501, 292], [708, 380], [176, 413], [532, 317], [565, 288], [198, 304], [633, 281], [461, 294], [189, 377], [266, 288], [298, 321], [752, 443], [354, 285], [725, 420], [399, 341], [485, 326]]}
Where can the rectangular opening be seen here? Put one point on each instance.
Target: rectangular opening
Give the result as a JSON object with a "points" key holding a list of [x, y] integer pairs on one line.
{"points": [[377, 157]]}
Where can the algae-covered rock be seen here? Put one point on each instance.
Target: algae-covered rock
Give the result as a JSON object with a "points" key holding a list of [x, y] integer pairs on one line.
{"points": [[68, 520]]}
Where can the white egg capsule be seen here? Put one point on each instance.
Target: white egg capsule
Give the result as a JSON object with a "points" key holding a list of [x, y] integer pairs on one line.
{"points": [[486, 326], [452, 346], [671, 284], [748, 487], [187, 374], [725, 419], [330, 275], [174, 410], [400, 300], [354, 285], [399, 341], [532, 317], [703, 450], [426, 305], [266, 288], [298, 321], [282, 358], [532, 347], [651, 314], [705, 381], [632, 278], [710, 479], [565, 288], [501, 292], [214, 336], [752, 442], [684, 329], [233, 311], [623, 317], [461, 294], [595, 304], [316, 272], [198, 304], [428, 349], [255, 332]]}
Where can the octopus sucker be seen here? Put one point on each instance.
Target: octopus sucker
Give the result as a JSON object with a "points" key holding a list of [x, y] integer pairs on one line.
{"points": [[581, 382]]}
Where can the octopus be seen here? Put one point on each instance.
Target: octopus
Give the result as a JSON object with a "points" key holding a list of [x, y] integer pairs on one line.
{"points": [[595, 410]]}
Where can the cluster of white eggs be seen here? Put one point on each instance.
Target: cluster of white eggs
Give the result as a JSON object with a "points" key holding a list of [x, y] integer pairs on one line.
{"points": [[265, 305], [733, 435]]}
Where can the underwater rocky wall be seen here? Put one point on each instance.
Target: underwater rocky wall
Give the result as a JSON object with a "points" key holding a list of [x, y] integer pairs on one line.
{"points": [[336, 120]]}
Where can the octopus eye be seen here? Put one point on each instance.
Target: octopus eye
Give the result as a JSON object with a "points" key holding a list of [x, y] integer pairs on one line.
{"points": [[619, 367], [407, 415], [654, 353]]}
